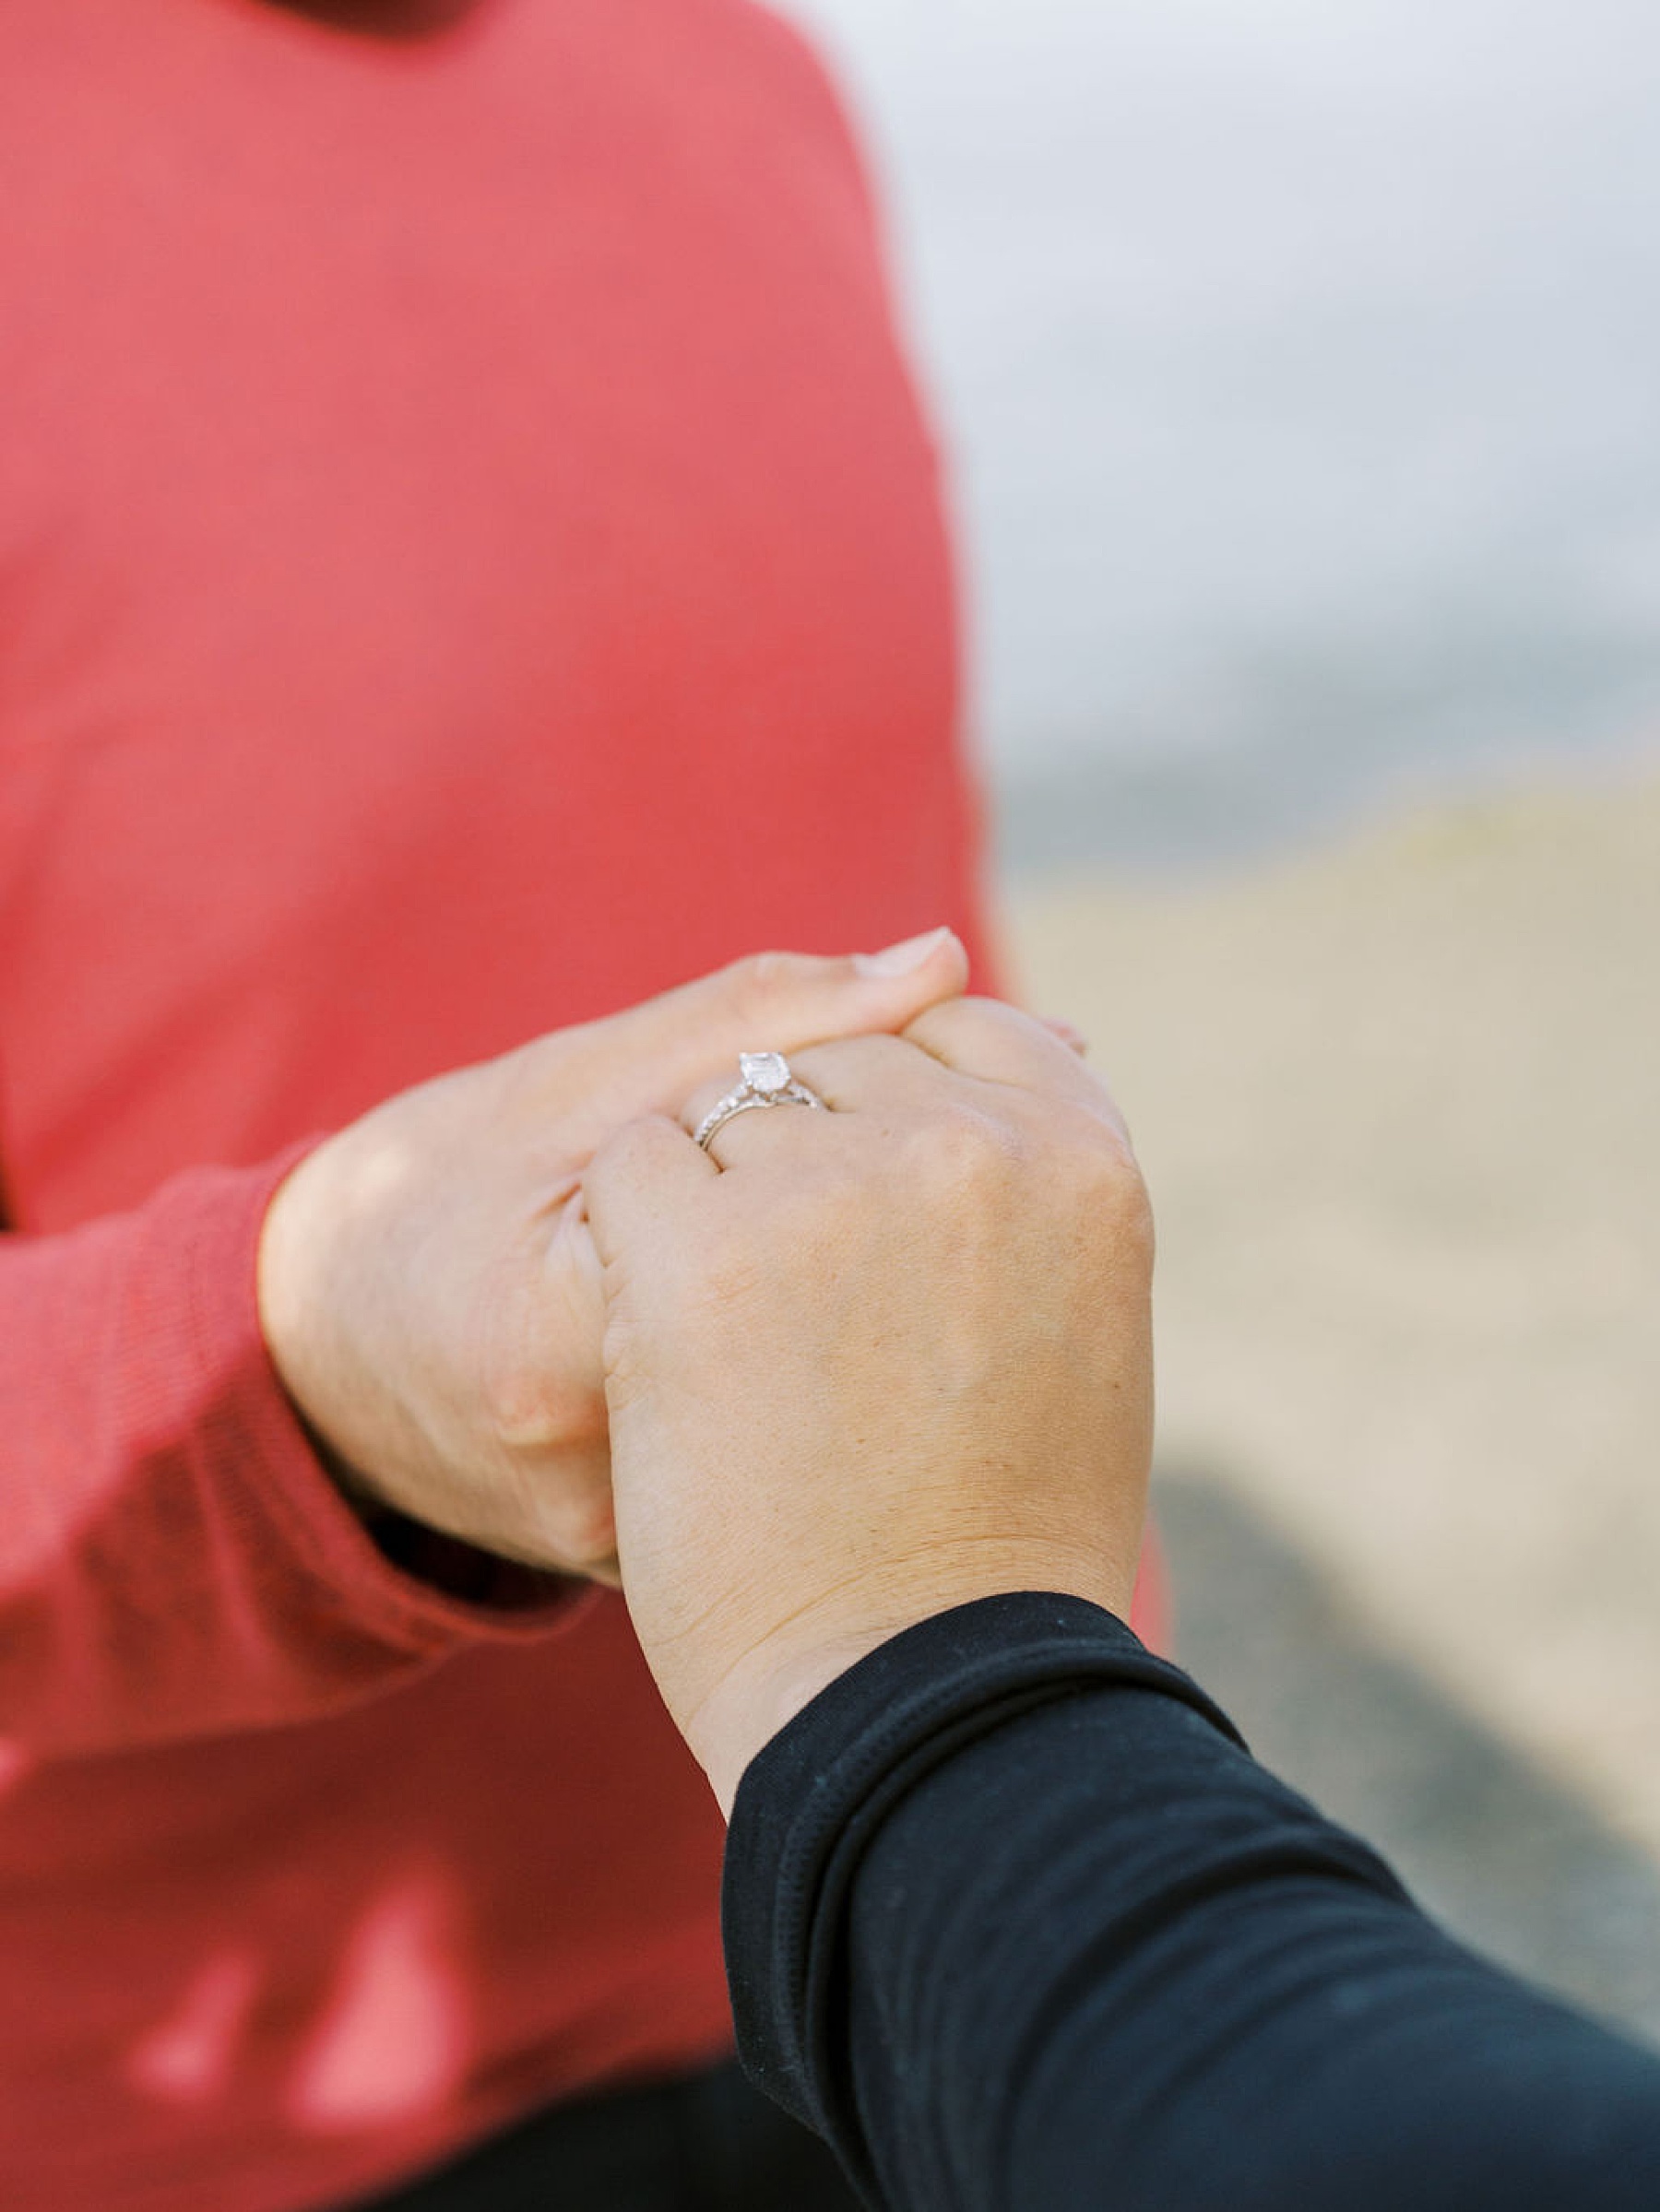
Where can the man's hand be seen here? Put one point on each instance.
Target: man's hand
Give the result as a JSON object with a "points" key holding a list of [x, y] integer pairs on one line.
{"points": [[428, 1287], [868, 1365]]}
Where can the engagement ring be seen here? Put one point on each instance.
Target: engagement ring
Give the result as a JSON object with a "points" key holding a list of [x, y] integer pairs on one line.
{"points": [[766, 1081]]}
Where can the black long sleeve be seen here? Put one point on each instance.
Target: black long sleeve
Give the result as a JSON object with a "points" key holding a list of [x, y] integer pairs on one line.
{"points": [[1013, 1919]]}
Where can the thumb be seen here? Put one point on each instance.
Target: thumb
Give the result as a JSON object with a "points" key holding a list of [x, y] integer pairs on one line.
{"points": [[639, 1190], [655, 1055]]}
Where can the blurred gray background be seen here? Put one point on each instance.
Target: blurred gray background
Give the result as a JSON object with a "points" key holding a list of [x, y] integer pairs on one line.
{"points": [[1299, 362]]}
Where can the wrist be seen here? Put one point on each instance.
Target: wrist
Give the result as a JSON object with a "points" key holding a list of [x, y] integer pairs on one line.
{"points": [[763, 1691], [760, 1694], [290, 1307]]}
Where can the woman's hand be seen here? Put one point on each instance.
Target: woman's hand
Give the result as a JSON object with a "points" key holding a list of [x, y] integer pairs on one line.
{"points": [[867, 1364], [427, 1283]]}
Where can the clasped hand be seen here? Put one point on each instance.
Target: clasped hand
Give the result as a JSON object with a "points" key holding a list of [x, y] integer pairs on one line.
{"points": [[428, 1287], [865, 1366], [838, 1373]]}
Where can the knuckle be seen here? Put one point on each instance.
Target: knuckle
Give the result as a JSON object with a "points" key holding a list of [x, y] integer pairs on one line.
{"points": [[963, 1151], [513, 1389], [758, 982], [1117, 1194], [1058, 1164], [579, 1527]]}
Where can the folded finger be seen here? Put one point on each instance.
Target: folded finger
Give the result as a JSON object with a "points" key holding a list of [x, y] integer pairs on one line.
{"points": [[650, 1055], [646, 1171], [996, 1042]]}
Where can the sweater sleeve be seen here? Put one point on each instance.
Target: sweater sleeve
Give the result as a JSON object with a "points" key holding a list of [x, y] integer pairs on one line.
{"points": [[1015, 1922], [173, 1559]]}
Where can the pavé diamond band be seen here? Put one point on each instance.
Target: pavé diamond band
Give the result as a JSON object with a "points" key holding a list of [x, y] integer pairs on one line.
{"points": [[766, 1081]]}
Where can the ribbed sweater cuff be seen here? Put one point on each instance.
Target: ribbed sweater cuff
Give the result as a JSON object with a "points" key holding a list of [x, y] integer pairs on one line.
{"points": [[216, 1216]]}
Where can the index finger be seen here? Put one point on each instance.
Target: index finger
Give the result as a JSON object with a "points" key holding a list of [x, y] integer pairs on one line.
{"points": [[997, 1043]]}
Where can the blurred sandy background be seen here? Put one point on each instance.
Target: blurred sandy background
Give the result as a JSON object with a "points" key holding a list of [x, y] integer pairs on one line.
{"points": [[1398, 1099], [1298, 371]]}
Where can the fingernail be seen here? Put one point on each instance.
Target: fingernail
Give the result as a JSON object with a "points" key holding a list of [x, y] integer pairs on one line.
{"points": [[901, 959]]}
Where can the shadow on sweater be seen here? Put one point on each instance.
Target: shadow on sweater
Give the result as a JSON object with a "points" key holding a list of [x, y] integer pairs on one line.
{"points": [[389, 19]]}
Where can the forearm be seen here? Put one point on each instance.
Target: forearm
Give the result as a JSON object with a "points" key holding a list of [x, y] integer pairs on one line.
{"points": [[174, 1558], [1013, 1921]]}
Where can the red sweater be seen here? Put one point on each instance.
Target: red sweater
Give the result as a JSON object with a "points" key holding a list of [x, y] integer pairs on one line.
{"points": [[469, 558]]}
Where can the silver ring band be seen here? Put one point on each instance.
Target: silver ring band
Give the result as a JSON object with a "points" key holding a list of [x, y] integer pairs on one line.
{"points": [[765, 1081]]}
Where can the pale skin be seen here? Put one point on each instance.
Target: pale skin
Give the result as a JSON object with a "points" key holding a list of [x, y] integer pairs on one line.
{"points": [[428, 1285], [865, 1366]]}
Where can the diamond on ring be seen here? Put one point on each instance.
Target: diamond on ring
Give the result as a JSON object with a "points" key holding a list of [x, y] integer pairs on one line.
{"points": [[765, 1081], [767, 1072]]}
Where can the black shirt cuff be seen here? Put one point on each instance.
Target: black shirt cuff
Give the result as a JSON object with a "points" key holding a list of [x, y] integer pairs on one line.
{"points": [[812, 1799]]}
